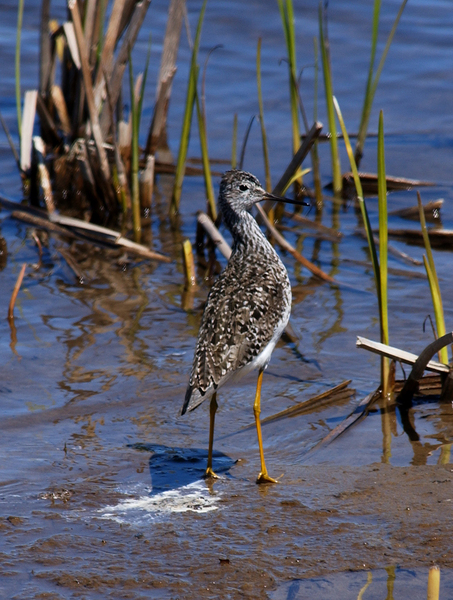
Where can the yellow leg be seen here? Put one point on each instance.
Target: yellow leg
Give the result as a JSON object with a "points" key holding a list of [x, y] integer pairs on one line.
{"points": [[212, 410], [263, 477]]}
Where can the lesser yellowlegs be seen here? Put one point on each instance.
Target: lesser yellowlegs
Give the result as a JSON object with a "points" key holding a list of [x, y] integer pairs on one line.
{"points": [[247, 308]]}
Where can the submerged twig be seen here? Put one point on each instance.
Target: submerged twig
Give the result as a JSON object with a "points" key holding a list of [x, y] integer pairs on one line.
{"points": [[359, 412], [336, 394], [10, 141], [72, 265], [16, 289]]}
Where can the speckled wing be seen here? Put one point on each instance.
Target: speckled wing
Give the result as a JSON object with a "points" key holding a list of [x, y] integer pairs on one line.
{"points": [[239, 320]]}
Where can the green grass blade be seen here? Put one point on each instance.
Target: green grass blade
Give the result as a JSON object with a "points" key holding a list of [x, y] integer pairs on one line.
{"points": [[187, 121], [287, 16], [205, 160], [369, 97], [261, 114], [361, 201], [433, 282], [314, 150], [368, 100], [383, 258], [20, 14], [145, 75], [336, 168]]}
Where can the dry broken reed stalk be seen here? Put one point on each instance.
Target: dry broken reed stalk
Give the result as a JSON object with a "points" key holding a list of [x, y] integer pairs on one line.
{"points": [[82, 64]]}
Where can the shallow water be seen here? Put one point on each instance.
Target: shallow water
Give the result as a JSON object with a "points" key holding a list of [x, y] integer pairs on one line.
{"points": [[100, 492]]}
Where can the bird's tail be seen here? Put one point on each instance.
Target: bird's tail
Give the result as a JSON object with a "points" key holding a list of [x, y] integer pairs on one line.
{"points": [[193, 399]]}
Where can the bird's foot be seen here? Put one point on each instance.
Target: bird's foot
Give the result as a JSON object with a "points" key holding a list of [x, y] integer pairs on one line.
{"points": [[265, 478], [209, 474]]}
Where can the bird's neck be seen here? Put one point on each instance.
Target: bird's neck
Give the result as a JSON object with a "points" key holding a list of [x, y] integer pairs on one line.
{"points": [[246, 232]]}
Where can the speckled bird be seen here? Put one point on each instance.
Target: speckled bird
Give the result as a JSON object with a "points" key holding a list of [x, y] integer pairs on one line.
{"points": [[247, 308]]}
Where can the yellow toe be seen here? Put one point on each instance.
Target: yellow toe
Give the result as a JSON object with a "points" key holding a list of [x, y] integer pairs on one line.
{"points": [[265, 478], [209, 474]]}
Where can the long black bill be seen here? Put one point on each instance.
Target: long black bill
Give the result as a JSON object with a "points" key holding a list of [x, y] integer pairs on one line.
{"points": [[273, 198]]}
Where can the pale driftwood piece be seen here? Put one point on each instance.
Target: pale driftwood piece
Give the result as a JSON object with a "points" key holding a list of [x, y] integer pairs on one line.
{"points": [[113, 237], [86, 73], [141, 250], [167, 72], [68, 29], [130, 36], [214, 234], [108, 48], [26, 134], [44, 177], [285, 245], [400, 355], [422, 363]]}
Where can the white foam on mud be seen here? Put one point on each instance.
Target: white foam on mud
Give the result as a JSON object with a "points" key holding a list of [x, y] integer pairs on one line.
{"points": [[142, 509]]}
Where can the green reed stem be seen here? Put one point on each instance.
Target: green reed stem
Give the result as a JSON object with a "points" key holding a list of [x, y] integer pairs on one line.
{"points": [[287, 16], [314, 150], [361, 201], [20, 14], [383, 258], [327, 72], [187, 121], [372, 82], [433, 282], [100, 40], [136, 113], [205, 160], [261, 114]]}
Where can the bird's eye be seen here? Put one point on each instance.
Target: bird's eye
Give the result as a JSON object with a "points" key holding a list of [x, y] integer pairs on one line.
{"points": [[243, 188]]}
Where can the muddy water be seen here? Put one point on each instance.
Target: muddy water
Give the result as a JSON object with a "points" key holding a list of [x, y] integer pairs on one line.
{"points": [[101, 495]]}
